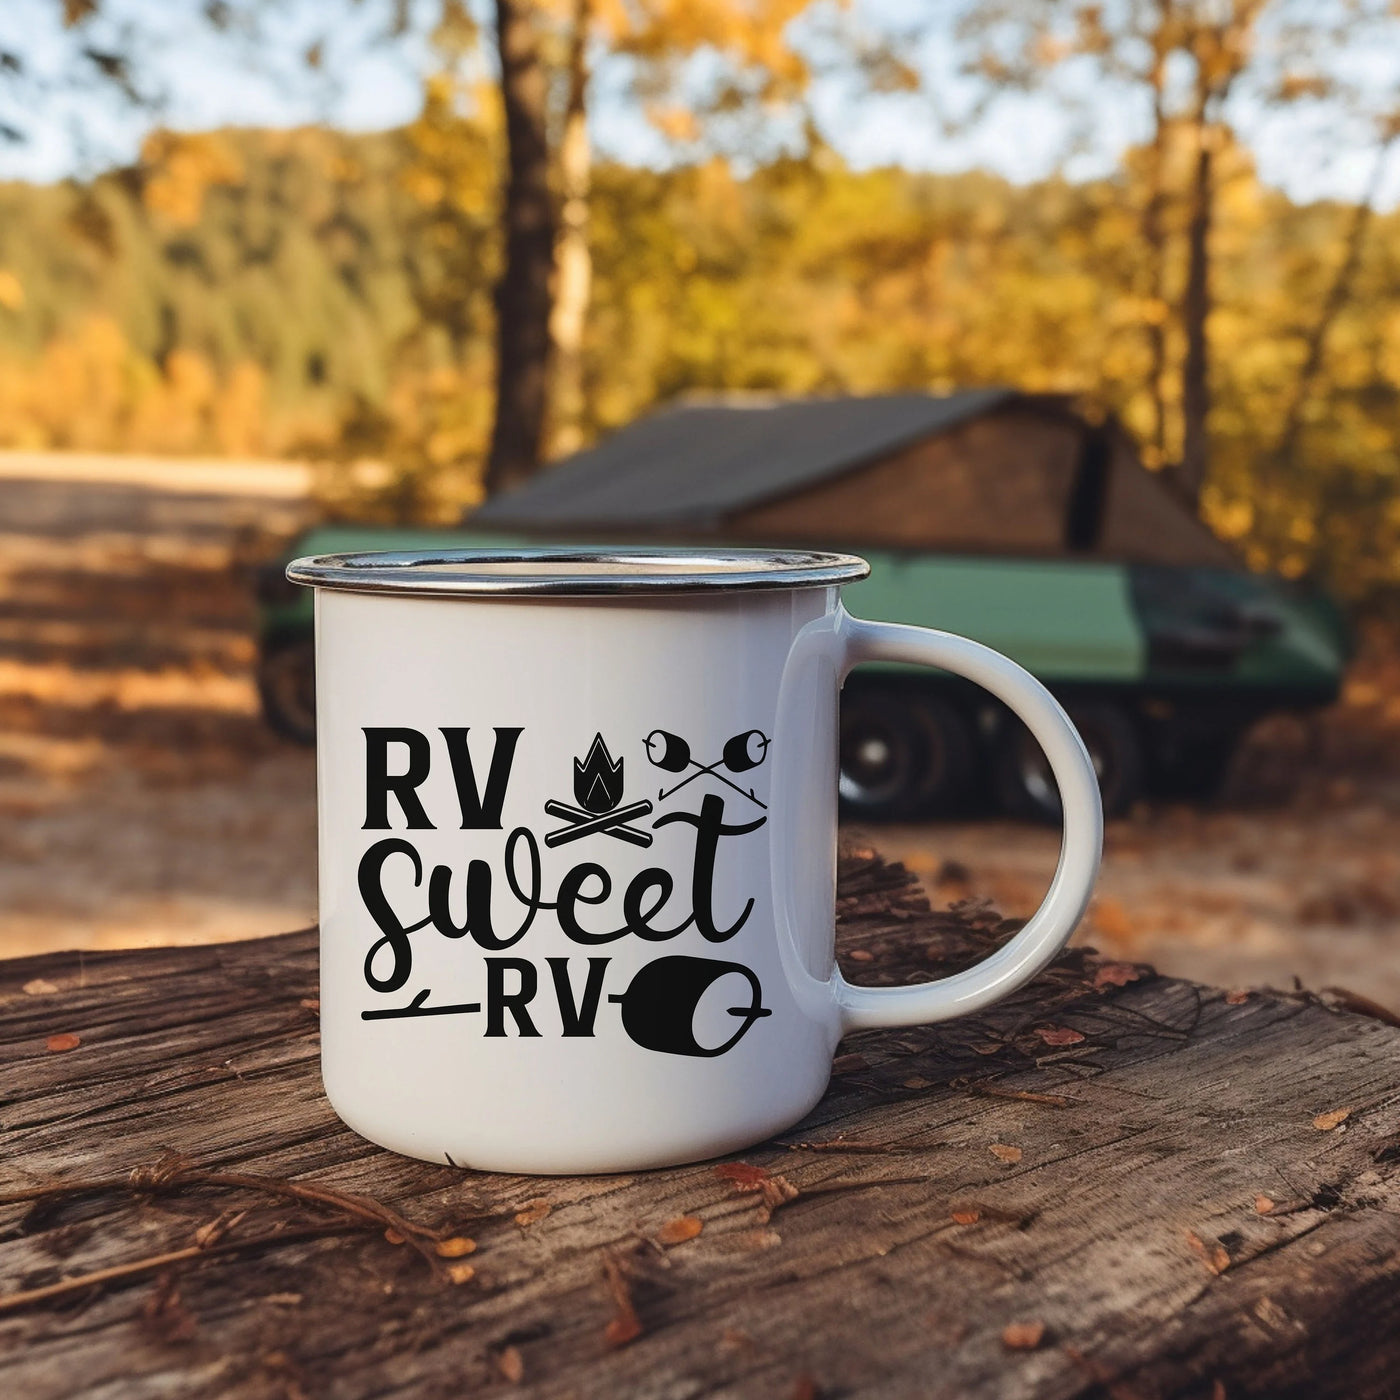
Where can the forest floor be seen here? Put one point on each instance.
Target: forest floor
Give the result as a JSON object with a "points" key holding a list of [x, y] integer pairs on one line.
{"points": [[142, 800]]}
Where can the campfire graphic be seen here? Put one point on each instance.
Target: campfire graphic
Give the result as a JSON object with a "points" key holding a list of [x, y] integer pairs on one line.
{"points": [[671, 754], [598, 791]]}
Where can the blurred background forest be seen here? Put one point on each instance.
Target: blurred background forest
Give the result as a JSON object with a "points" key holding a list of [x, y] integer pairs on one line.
{"points": [[386, 257], [322, 294]]}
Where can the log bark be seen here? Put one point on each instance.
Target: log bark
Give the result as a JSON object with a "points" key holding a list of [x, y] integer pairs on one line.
{"points": [[1175, 1221], [523, 294]]}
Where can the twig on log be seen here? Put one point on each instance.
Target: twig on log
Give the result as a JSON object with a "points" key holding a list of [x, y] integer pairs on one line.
{"points": [[173, 1171], [990, 1090], [852, 1145], [153, 1263]]}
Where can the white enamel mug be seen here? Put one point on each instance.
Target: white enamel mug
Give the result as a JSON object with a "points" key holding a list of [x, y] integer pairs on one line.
{"points": [[578, 848]]}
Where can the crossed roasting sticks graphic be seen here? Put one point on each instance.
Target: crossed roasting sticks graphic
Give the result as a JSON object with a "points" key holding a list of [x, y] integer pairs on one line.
{"points": [[671, 753]]}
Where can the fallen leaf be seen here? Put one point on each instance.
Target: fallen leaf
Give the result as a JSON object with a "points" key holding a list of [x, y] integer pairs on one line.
{"points": [[966, 1217], [987, 1048], [393, 1236], [39, 987], [1237, 997], [679, 1230], [1004, 1152], [744, 1176], [1263, 1204], [1059, 1035], [66, 1040], [1022, 1336], [1213, 1254], [860, 955], [1116, 974], [918, 1082], [1325, 1122], [455, 1247], [625, 1326], [310, 1004], [776, 1191], [532, 1212], [511, 1364], [760, 1239], [461, 1273]]}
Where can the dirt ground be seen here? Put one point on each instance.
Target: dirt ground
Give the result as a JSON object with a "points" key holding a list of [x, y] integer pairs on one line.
{"points": [[142, 801]]}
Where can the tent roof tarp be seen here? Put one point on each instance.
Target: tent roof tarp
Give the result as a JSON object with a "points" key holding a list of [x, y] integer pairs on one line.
{"points": [[693, 464]]}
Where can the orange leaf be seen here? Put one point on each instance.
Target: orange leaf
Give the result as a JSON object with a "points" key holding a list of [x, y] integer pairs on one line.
{"points": [[1263, 1204], [511, 1364], [1325, 1122], [1004, 1152], [532, 1212], [393, 1236], [966, 1217], [1238, 997], [461, 1273], [1023, 1336], [1059, 1035], [1116, 974], [64, 1041], [861, 955], [744, 1176], [679, 1230], [1213, 1254], [455, 1247], [625, 1326]]}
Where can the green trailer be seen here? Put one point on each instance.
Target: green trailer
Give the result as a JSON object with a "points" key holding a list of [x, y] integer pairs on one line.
{"points": [[1005, 518]]}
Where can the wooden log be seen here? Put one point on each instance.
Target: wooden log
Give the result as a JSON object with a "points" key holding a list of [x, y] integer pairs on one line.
{"points": [[1114, 1184]]}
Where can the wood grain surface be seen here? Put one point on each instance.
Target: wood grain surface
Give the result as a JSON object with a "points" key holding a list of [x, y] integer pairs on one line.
{"points": [[1113, 1184]]}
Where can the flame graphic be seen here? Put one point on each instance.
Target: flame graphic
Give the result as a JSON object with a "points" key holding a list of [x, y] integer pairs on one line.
{"points": [[598, 779]]}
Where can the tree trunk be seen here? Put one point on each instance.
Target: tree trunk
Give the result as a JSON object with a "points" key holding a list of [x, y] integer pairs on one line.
{"points": [[572, 262], [1154, 236], [523, 293], [1338, 294], [1195, 313]]}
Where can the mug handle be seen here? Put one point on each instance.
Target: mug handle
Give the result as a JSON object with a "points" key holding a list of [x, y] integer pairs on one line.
{"points": [[1050, 926]]}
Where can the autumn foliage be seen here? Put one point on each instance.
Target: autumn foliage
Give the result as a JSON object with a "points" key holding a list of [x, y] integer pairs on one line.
{"points": [[312, 292]]}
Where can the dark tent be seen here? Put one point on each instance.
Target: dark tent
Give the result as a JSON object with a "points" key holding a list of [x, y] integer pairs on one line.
{"points": [[985, 471]]}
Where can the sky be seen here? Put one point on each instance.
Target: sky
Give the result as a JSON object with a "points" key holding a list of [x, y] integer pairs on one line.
{"points": [[205, 80]]}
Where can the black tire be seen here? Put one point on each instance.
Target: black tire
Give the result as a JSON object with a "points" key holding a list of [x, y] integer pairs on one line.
{"points": [[287, 689], [902, 756], [950, 755], [1025, 787], [1196, 772]]}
